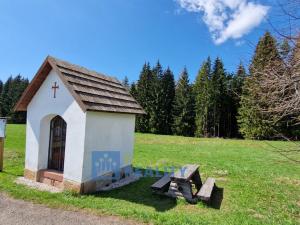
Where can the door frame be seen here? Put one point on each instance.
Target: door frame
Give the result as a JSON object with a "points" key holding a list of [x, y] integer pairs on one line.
{"points": [[63, 125]]}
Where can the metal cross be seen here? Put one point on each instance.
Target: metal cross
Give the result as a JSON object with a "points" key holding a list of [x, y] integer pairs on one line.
{"points": [[54, 89]]}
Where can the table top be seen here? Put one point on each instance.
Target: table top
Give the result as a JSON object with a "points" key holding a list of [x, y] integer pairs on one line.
{"points": [[185, 173]]}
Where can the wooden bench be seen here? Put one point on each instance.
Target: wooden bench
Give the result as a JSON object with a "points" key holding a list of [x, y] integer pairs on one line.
{"points": [[162, 185], [206, 190], [186, 173], [182, 182]]}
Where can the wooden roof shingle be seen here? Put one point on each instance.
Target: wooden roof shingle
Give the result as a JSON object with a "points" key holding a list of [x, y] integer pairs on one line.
{"points": [[93, 91]]}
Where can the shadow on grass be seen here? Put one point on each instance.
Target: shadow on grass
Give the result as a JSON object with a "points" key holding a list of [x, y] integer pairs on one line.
{"points": [[217, 198], [139, 192]]}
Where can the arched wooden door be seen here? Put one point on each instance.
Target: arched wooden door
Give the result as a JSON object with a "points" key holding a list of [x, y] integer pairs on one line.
{"points": [[58, 129]]}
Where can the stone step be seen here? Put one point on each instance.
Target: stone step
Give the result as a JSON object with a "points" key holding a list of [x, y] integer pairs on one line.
{"points": [[51, 182], [51, 177]]}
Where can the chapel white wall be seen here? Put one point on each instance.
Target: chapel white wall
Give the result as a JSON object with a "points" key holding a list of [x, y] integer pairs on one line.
{"points": [[108, 132], [42, 108]]}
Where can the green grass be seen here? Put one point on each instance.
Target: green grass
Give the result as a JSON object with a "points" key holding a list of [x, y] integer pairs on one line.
{"points": [[260, 185]]}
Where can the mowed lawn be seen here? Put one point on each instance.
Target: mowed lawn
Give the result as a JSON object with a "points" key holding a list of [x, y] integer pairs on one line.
{"points": [[260, 185]]}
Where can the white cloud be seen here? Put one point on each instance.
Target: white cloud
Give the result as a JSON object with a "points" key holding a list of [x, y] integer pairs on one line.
{"points": [[227, 18]]}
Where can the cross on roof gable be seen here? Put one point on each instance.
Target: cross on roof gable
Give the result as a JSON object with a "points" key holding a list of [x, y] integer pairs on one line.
{"points": [[91, 90]]}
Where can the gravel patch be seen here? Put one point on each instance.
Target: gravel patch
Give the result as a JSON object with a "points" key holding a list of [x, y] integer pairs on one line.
{"points": [[37, 185]]}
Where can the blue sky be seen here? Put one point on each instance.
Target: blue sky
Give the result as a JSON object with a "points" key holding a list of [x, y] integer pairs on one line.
{"points": [[116, 37]]}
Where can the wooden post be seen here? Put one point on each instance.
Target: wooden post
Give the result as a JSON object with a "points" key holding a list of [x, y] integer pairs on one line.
{"points": [[1, 153]]}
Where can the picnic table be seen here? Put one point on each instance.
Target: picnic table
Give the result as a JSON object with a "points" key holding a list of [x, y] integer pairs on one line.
{"points": [[185, 183]]}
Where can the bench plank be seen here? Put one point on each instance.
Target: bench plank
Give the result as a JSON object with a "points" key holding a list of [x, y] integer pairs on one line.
{"points": [[189, 171], [206, 190], [162, 184]]}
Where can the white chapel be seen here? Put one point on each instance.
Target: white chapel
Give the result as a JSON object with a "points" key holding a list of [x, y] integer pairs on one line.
{"points": [[80, 127]]}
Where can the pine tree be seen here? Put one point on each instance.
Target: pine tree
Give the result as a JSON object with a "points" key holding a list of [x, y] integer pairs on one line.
{"points": [[202, 99], [184, 118], [146, 97], [251, 121]]}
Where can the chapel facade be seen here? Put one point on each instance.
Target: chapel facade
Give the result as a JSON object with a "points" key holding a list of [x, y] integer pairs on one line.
{"points": [[80, 127]]}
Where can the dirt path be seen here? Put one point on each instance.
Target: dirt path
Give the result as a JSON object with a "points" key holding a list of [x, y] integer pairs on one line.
{"points": [[18, 212]]}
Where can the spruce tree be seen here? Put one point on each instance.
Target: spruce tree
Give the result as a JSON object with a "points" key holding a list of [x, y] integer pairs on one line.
{"points": [[1, 88], [202, 99], [184, 118], [251, 121], [235, 91], [146, 97], [218, 99], [157, 94], [239, 81], [19, 85], [125, 83], [6, 97], [133, 91], [167, 86], [11, 93], [236, 88]]}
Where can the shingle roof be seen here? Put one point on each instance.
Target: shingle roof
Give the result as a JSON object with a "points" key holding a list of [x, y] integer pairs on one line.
{"points": [[93, 91]]}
